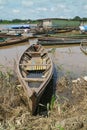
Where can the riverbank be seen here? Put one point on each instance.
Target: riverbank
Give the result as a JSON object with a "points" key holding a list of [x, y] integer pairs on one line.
{"points": [[66, 111]]}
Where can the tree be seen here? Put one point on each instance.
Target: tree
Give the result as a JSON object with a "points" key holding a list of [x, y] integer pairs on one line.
{"points": [[77, 18]]}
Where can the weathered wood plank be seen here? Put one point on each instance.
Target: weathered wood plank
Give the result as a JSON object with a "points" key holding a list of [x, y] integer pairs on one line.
{"points": [[34, 79], [33, 65]]}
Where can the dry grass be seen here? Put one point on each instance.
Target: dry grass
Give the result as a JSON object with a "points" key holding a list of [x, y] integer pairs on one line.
{"points": [[68, 110]]}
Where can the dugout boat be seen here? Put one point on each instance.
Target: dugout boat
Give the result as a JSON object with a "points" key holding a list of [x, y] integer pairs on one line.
{"points": [[11, 41], [34, 70], [58, 41]]}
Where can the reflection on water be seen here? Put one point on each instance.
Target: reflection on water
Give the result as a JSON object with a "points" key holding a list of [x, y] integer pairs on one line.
{"points": [[67, 59]]}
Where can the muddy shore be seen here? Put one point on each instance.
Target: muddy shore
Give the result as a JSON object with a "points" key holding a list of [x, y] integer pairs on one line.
{"points": [[67, 110]]}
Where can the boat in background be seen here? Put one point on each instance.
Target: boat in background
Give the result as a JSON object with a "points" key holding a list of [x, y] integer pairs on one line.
{"points": [[7, 35], [58, 41], [20, 26], [13, 40], [83, 46], [16, 29], [83, 28], [34, 71]]}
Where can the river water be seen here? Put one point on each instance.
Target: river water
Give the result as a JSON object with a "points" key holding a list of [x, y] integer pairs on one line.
{"points": [[67, 59], [70, 60]]}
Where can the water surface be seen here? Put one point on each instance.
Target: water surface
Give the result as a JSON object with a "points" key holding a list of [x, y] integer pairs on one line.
{"points": [[67, 59]]}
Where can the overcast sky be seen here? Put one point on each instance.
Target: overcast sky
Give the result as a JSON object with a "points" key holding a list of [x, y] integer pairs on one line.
{"points": [[36, 9]]}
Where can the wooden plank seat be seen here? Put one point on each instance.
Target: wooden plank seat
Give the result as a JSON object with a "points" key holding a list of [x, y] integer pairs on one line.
{"points": [[31, 52], [36, 52], [36, 67], [27, 64], [34, 79], [35, 64]]}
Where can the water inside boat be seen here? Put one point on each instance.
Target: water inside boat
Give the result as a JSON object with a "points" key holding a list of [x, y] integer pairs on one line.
{"points": [[35, 74]]}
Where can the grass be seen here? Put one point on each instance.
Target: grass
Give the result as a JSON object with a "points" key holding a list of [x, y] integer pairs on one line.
{"points": [[66, 23], [53, 99], [59, 127], [14, 114]]}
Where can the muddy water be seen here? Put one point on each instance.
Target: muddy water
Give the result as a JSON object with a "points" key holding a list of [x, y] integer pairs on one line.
{"points": [[70, 60], [10, 54], [67, 59]]}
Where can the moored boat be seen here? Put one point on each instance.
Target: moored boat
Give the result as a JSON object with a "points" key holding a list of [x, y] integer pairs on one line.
{"points": [[34, 70], [15, 40], [58, 41], [83, 47], [5, 35]]}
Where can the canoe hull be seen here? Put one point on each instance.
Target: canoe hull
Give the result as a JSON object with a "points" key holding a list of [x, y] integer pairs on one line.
{"points": [[58, 41], [14, 41], [34, 93]]}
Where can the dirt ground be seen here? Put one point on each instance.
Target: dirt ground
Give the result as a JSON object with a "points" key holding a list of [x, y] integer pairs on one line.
{"points": [[68, 108]]}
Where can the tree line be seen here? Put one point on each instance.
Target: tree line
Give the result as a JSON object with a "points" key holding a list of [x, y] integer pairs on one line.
{"points": [[76, 18]]}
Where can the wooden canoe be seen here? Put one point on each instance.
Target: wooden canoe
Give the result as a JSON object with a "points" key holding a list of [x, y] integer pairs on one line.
{"points": [[62, 30], [11, 41], [34, 70], [83, 47], [5, 35], [58, 41]]}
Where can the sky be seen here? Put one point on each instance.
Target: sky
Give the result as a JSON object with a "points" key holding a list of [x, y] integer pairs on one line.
{"points": [[39, 9]]}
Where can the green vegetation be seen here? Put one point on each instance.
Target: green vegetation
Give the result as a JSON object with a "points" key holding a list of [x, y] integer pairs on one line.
{"points": [[52, 102], [60, 127], [19, 21], [65, 23], [74, 22]]}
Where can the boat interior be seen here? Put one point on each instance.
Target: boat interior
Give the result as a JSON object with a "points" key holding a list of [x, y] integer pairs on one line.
{"points": [[35, 66]]}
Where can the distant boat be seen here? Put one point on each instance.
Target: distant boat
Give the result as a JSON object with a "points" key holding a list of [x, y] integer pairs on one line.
{"points": [[58, 41], [6, 35], [83, 47], [83, 28], [62, 30], [34, 70], [20, 26], [13, 40]]}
